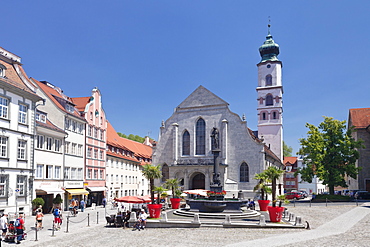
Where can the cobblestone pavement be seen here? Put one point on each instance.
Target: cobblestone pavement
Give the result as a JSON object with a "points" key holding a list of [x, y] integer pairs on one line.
{"points": [[97, 234]]}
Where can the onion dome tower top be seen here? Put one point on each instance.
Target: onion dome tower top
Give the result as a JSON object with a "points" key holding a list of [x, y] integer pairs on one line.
{"points": [[269, 50]]}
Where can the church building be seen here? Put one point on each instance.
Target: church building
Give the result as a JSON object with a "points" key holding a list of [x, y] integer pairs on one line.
{"points": [[184, 148]]}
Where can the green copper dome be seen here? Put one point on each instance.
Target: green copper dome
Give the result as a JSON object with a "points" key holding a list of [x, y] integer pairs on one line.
{"points": [[269, 50]]}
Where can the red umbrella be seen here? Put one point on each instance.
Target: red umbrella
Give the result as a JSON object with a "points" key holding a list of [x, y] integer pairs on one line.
{"points": [[130, 199], [146, 198]]}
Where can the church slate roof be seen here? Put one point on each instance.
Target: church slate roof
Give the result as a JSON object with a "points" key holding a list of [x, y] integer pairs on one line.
{"points": [[202, 97], [359, 118]]}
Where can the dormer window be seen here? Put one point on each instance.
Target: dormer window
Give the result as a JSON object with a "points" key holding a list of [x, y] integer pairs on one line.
{"points": [[2, 70], [70, 108], [41, 117]]}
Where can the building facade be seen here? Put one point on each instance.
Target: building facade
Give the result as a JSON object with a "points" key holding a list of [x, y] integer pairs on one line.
{"points": [[18, 102], [63, 114], [125, 160], [359, 119], [290, 180], [95, 147]]}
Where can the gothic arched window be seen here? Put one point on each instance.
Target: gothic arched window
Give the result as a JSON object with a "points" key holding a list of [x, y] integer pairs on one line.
{"points": [[186, 143], [268, 80], [269, 100], [165, 172], [244, 172], [275, 115], [200, 148]]}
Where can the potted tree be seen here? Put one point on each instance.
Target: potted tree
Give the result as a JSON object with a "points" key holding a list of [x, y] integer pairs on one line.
{"points": [[152, 172], [36, 203], [263, 189], [273, 174], [173, 184]]}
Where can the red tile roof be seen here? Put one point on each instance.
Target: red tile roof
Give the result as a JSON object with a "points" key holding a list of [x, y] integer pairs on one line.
{"points": [[53, 93], [360, 117], [81, 102], [138, 149], [50, 125], [290, 160]]}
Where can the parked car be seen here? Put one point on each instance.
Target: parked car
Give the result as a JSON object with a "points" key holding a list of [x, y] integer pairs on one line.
{"points": [[362, 195], [293, 195], [304, 193]]}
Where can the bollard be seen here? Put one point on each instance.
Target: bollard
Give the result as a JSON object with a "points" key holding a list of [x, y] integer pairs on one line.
{"points": [[286, 215], [298, 221], [310, 202], [294, 202], [97, 217], [53, 229], [326, 201], [356, 202], [227, 219], [291, 217], [164, 216], [67, 223], [35, 233], [196, 219], [262, 220], [88, 219]]}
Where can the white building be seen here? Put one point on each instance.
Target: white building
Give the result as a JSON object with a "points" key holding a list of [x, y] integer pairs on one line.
{"points": [[315, 187], [125, 160], [63, 114], [17, 107]]}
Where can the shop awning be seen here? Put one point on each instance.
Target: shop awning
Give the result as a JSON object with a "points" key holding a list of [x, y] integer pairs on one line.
{"points": [[51, 190], [77, 191], [96, 189]]}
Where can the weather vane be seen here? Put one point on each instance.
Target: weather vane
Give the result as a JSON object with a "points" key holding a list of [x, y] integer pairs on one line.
{"points": [[269, 25]]}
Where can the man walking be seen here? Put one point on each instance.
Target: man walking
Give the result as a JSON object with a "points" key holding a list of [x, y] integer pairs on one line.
{"points": [[4, 225], [19, 226]]}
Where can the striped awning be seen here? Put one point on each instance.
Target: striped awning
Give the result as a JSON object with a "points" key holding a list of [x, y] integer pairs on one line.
{"points": [[77, 191]]}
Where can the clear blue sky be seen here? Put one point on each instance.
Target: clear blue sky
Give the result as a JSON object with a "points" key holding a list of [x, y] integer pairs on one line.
{"points": [[146, 57]]}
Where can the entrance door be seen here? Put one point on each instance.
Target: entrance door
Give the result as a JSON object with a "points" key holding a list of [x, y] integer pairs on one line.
{"points": [[368, 185], [198, 181]]}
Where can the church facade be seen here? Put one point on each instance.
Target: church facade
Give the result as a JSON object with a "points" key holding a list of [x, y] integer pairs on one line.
{"points": [[184, 148]]}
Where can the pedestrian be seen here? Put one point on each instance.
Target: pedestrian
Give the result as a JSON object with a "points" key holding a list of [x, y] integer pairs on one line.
{"points": [[4, 225], [19, 226], [104, 202], [57, 218], [82, 205], [142, 218], [39, 217]]}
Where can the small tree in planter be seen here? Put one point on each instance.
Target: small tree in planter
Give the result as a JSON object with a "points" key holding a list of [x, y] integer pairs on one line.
{"points": [[173, 184], [37, 202], [263, 189], [152, 172], [57, 200], [273, 174]]}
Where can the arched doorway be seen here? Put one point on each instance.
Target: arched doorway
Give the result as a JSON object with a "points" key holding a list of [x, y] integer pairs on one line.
{"points": [[198, 181]]}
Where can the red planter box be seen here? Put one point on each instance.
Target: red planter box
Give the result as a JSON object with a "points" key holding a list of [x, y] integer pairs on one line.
{"points": [[263, 204], [175, 203], [154, 210], [276, 213]]}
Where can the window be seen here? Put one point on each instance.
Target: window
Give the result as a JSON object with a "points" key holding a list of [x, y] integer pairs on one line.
{"points": [[79, 149], [49, 171], [275, 115], [41, 117], [89, 151], [95, 173], [22, 118], [73, 173], [39, 171], [186, 143], [79, 173], [4, 107], [3, 146], [101, 157], [244, 172], [116, 179], [4, 185], [95, 133], [74, 126], [74, 148], [89, 131], [22, 146], [49, 143], [39, 141], [89, 173], [70, 108], [269, 100], [264, 116], [101, 174], [57, 172], [268, 80], [67, 172], [2, 70], [57, 144], [95, 153], [102, 135], [200, 137], [68, 124], [165, 172], [21, 185]]}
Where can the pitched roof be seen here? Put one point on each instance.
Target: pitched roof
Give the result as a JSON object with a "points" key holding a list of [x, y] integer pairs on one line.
{"points": [[50, 125], [139, 149], [56, 95], [359, 118], [290, 160], [202, 97], [80, 102]]}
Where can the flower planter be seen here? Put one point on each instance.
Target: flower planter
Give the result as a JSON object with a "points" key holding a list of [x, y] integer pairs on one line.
{"points": [[154, 210], [263, 204], [175, 203], [276, 213]]}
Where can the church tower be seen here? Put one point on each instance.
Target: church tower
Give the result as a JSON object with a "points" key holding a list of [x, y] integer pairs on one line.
{"points": [[270, 96]]}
